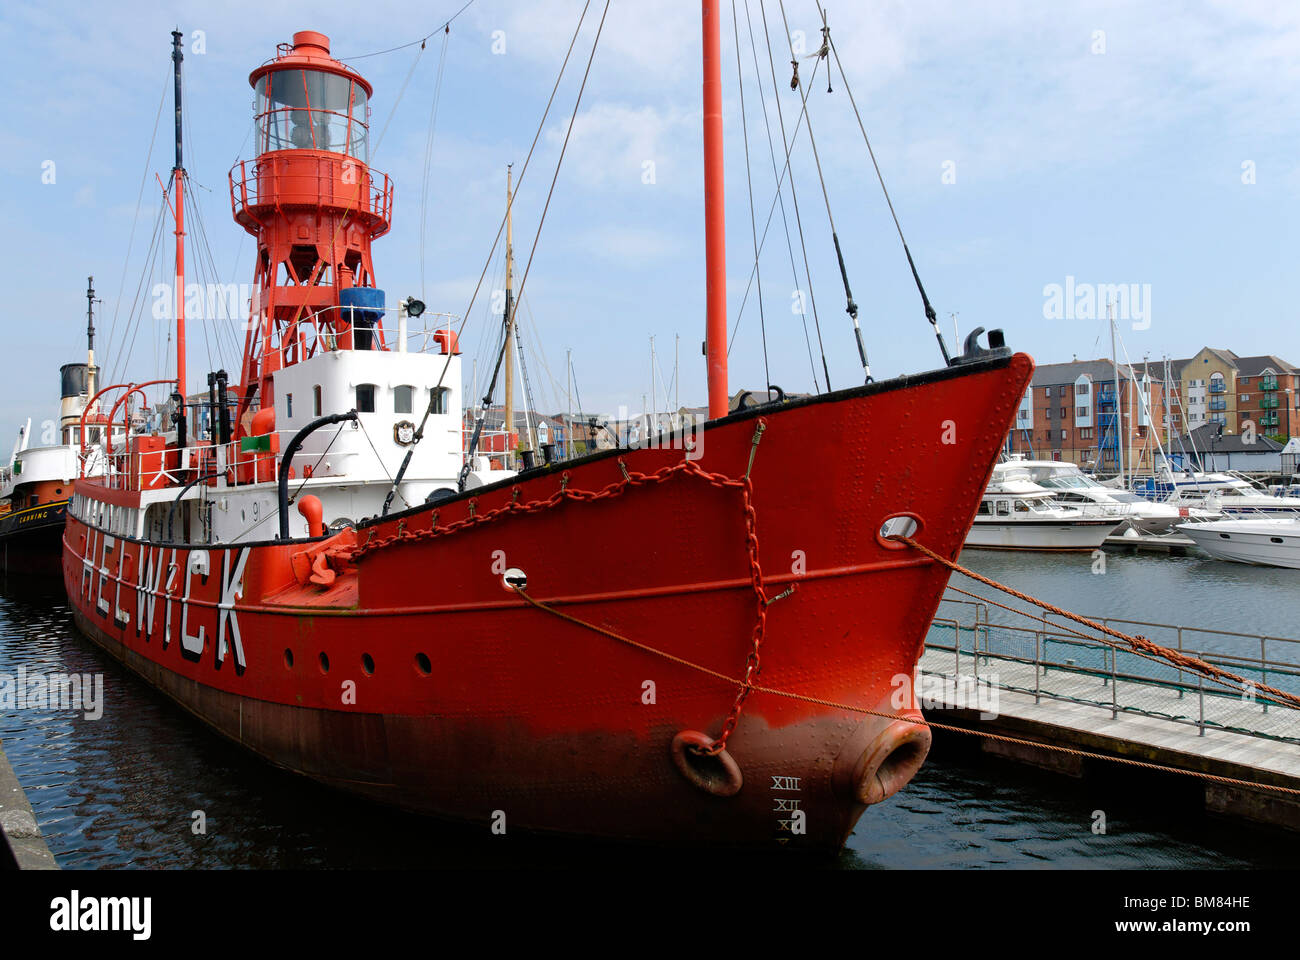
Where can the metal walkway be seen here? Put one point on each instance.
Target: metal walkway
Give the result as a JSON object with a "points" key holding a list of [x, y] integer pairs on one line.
{"points": [[1036, 680]]}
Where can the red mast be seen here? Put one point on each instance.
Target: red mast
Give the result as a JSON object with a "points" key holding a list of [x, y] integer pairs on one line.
{"points": [[715, 236], [178, 199]]}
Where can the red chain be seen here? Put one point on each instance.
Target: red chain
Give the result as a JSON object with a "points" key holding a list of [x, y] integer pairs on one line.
{"points": [[617, 488]]}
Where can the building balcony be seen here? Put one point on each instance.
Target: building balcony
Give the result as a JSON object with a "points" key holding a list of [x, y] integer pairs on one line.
{"points": [[1217, 386], [1218, 404], [1268, 420], [1268, 383], [1268, 403]]}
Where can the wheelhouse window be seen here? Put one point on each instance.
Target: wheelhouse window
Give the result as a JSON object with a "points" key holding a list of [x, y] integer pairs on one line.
{"points": [[288, 404], [402, 398], [315, 401], [439, 400], [365, 398]]}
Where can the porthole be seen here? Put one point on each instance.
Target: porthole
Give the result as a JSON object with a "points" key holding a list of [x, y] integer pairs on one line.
{"points": [[288, 659], [368, 664], [324, 663], [422, 664]]}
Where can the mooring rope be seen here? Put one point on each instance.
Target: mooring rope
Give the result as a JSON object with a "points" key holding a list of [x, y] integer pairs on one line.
{"points": [[1138, 643]]}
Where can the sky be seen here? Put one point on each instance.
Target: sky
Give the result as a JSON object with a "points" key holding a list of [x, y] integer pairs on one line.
{"points": [[1027, 147]]}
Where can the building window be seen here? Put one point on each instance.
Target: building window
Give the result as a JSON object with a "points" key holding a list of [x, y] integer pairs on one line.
{"points": [[1064, 434], [1047, 392], [1245, 381], [1244, 398], [365, 398], [315, 400], [1081, 411], [1081, 389], [1063, 413], [402, 398]]}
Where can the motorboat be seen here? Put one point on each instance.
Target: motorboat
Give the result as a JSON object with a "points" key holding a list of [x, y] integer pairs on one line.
{"points": [[1270, 542], [1016, 513]]}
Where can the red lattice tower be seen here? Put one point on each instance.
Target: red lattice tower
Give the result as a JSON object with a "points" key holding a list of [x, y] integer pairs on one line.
{"points": [[313, 204]]}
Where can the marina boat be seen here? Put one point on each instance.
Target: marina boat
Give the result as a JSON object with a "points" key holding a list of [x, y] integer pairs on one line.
{"points": [[1016, 513], [332, 584], [1231, 496], [36, 483], [1070, 486], [1270, 542]]}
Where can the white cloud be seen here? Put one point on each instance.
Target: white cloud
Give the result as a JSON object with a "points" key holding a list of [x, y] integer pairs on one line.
{"points": [[612, 143]]}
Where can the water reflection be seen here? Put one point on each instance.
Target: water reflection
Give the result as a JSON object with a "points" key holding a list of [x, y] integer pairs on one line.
{"points": [[122, 791]]}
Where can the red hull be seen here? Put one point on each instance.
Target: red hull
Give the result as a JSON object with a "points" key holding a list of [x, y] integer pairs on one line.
{"points": [[470, 703]]}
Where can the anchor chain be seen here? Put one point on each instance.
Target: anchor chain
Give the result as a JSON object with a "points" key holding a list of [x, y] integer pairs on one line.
{"points": [[753, 662]]}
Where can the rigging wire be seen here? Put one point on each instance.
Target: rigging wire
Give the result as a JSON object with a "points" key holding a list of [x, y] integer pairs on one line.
{"points": [[794, 196], [443, 26], [785, 223], [401, 90], [925, 301], [428, 155], [767, 225], [148, 270], [749, 184], [851, 308], [582, 87], [502, 226], [144, 177]]}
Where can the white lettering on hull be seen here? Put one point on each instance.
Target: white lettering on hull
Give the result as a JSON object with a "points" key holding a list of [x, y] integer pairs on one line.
{"points": [[158, 578]]}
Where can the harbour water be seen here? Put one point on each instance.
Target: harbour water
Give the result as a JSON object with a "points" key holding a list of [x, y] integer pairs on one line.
{"points": [[123, 791]]}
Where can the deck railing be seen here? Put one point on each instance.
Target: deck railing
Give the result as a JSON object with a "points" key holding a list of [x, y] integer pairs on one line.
{"points": [[1043, 659]]}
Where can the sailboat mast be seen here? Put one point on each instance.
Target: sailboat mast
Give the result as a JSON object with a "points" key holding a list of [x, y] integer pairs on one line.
{"points": [[654, 396], [1119, 414], [90, 337], [178, 201], [510, 318], [715, 241]]}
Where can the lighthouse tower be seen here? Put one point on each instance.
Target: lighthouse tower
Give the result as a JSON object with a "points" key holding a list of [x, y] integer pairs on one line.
{"points": [[313, 204]]}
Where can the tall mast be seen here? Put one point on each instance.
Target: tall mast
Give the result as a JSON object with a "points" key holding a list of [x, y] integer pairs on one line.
{"points": [[510, 318], [90, 337], [178, 200], [1169, 427], [654, 395], [715, 236], [1119, 415]]}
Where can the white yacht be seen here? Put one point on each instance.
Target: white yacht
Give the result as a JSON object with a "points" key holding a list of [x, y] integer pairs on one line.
{"points": [[1271, 542], [1228, 494], [1018, 514], [1072, 487]]}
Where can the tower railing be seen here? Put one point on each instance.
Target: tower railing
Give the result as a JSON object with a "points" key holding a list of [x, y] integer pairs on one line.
{"points": [[299, 178]]}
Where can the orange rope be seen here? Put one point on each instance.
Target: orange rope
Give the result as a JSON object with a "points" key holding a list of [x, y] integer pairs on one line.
{"points": [[790, 695], [1138, 643]]}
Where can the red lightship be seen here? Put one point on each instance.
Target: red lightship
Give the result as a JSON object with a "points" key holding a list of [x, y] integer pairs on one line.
{"points": [[465, 654]]}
